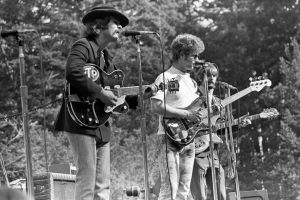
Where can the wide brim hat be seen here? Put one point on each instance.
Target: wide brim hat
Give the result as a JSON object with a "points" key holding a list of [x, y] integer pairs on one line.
{"points": [[101, 11]]}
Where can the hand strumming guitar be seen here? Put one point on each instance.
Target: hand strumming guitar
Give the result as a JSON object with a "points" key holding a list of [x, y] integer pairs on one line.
{"points": [[108, 97], [193, 116]]}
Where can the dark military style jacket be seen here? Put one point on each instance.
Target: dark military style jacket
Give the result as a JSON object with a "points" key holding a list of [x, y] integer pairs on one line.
{"points": [[85, 51]]}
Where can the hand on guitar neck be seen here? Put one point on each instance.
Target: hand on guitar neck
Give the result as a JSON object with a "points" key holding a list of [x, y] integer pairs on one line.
{"points": [[244, 121]]}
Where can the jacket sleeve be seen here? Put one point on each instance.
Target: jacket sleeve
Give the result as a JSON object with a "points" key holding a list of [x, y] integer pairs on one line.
{"points": [[78, 57]]}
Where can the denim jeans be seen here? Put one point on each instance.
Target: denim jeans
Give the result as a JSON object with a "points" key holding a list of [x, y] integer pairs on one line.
{"points": [[201, 182], [93, 167], [176, 170]]}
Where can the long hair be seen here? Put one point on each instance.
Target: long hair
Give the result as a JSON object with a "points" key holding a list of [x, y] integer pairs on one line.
{"points": [[198, 73]]}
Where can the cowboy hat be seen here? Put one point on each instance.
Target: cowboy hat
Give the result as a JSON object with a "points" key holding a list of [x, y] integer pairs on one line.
{"points": [[104, 11]]}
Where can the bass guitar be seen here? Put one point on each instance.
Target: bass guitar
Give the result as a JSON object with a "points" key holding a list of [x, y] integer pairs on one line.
{"points": [[183, 131], [92, 113], [202, 142]]}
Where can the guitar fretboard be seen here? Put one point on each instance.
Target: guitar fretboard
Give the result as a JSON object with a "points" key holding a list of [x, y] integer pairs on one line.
{"points": [[236, 121], [230, 99], [132, 90]]}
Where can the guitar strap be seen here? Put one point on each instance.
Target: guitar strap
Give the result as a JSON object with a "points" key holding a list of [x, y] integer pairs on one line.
{"points": [[100, 58]]}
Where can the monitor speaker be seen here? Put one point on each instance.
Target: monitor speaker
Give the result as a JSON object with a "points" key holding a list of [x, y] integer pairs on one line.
{"points": [[250, 195], [54, 186]]}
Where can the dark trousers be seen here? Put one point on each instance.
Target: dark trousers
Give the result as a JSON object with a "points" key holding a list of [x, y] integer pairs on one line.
{"points": [[201, 183]]}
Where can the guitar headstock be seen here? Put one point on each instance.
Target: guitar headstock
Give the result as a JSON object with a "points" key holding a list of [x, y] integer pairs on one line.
{"points": [[152, 89], [257, 84], [269, 113], [155, 88]]}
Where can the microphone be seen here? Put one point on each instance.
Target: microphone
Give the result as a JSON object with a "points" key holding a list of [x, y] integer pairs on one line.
{"points": [[134, 33], [200, 64], [226, 85], [7, 33]]}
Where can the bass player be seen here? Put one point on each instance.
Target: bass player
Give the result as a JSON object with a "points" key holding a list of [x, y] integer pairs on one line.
{"points": [[176, 163]]}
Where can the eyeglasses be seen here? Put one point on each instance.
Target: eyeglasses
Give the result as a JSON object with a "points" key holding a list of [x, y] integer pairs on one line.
{"points": [[195, 57]]}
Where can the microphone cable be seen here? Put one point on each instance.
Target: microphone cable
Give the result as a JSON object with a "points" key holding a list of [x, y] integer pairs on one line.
{"points": [[165, 111], [42, 75]]}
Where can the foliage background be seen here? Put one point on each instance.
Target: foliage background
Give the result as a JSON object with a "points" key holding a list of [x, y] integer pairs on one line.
{"points": [[244, 38]]}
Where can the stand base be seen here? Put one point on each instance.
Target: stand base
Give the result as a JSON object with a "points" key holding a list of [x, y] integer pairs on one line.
{"points": [[250, 195]]}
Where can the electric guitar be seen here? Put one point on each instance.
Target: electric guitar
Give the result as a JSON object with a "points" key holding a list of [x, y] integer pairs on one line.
{"points": [[183, 131], [202, 142], [92, 113]]}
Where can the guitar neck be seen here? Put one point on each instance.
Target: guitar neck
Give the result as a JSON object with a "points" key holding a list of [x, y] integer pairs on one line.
{"points": [[231, 98], [132, 90], [236, 121], [236, 96]]}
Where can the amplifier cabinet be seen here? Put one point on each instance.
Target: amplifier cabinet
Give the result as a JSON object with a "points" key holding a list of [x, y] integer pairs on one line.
{"points": [[54, 186]]}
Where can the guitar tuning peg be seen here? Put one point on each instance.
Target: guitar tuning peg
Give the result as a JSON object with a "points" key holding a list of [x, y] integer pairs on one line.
{"points": [[259, 78], [253, 73], [250, 79], [265, 75]]}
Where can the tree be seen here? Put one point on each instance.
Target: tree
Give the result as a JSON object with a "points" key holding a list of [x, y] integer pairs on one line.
{"points": [[282, 155]]}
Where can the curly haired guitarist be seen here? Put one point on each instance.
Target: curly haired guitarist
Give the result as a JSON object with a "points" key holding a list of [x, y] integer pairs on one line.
{"points": [[176, 164]]}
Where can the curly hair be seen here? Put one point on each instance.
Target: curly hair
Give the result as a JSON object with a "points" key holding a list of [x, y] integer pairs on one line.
{"points": [[186, 44]]}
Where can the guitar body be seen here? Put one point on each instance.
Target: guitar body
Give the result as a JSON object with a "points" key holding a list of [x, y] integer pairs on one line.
{"points": [[182, 131], [92, 113], [112, 81], [202, 142]]}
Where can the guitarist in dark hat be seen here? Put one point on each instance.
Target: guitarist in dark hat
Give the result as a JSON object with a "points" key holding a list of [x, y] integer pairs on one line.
{"points": [[89, 142]]}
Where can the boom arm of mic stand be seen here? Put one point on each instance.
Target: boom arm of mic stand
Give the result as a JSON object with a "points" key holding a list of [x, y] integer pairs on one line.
{"points": [[143, 119], [211, 143], [229, 118]]}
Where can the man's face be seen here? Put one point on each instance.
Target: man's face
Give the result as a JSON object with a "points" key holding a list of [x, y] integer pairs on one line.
{"points": [[113, 29], [212, 75], [188, 62]]}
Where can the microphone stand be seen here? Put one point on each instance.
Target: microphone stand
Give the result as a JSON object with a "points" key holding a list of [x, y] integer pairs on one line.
{"points": [[229, 118], [211, 143], [143, 119], [24, 102]]}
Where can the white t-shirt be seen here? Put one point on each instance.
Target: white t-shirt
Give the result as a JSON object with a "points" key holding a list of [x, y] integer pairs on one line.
{"points": [[186, 94]]}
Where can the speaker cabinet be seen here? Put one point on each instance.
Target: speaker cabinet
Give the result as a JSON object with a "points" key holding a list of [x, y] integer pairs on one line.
{"points": [[54, 186], [250, 195]]}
